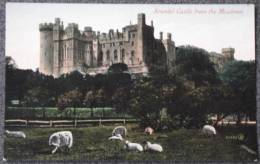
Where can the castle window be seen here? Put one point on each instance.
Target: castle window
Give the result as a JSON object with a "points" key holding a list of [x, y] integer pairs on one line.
{"points": [[113, 44], [133, 35], [104, 45], [100, 59], [132, 43], [108, 55], [123, 56], [132, 57], [115, 56], [67, 53]]}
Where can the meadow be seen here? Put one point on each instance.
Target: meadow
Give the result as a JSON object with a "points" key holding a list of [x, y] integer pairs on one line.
{"points": [[91, 143], [49, 113]]}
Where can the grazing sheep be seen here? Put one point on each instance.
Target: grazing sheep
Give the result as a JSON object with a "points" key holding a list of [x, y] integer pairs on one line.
{"points": [[62, 139], [4, 159], [16, 134], [209, 130], [119, 130], [149, 130], [153, 147], [116, 137], [133, 146]]}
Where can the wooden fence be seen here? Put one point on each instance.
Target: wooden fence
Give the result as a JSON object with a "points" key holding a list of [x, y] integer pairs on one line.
{"points": [[64, 123]]}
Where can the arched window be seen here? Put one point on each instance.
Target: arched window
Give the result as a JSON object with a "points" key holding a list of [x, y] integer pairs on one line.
{"points": [[123, 55], [67, 53], [108, 57], [115, 56], [100, 58], [132, 57]]}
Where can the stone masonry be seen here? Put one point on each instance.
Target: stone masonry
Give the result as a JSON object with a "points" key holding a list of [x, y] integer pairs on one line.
{"points": [[65, 50]]}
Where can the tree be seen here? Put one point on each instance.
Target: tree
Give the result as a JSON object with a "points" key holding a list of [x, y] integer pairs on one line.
{"points": [[90, 101], [193, 64], [120, 99], [101, 99], [239, 80], [71, 81], [71, 98], [38, 97], [10, 63], [118, 68], [145, 103]]}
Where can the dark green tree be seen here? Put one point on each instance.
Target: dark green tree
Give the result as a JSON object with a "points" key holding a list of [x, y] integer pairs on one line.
{"points": [[239, 79]]}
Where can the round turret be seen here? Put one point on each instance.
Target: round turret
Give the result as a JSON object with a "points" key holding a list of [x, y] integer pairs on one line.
{"points": [[228, 53], [46, 48]]}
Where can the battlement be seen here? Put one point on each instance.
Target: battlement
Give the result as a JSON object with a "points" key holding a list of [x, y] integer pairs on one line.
{"points": [[46, 27], [64, 48], [88, 29], [228, 50], [141, 19], [73, 26], [111, 35]]}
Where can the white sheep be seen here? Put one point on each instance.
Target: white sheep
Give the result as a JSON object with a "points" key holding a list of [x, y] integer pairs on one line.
{"points": [[16, 134], [209, 130], [119, 130], [133, 146], [149, 130], [153, 147], [116, 137], [62, 139]]}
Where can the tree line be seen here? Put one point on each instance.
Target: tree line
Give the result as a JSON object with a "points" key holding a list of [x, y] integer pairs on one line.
{"points": [[195, 92]]}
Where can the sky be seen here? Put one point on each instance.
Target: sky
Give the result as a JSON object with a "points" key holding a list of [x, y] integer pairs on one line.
{"points": [[211, 27]]}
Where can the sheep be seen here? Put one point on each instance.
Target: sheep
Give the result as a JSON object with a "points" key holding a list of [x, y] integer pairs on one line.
{"points": [[153, 147], [62, 139], [119, 130], [149, 130], [16, 134], [133, 146], [4, 159], [209, 130], [116, 137]]}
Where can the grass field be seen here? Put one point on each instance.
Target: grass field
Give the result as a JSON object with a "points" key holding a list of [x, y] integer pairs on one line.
{"points": [[53, 113], [91, 143]]}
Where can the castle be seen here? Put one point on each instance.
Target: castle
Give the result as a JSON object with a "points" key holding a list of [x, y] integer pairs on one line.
{"points": [[65, 50], [220, 59]]}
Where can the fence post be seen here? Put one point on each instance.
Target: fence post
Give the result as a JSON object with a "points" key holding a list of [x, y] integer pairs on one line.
{"points": [[26, 123], [50, 123], [75, 123], [100, 122], [124, 121]]}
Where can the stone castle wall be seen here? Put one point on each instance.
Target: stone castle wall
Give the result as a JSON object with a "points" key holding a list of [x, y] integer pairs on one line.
{"points": [[69, 49], [219, 59]]}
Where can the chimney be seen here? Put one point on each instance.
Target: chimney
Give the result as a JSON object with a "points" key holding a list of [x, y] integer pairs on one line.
{"points": [[169, 36], [161, 35]]}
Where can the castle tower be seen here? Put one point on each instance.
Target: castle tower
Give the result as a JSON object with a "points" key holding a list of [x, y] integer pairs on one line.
{"points": [[228, 53], [57, 27], [170, 53], [140, 51], [46, 48]]}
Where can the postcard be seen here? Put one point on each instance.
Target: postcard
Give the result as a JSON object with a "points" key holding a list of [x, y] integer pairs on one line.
{"points": [[130, 82]]}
